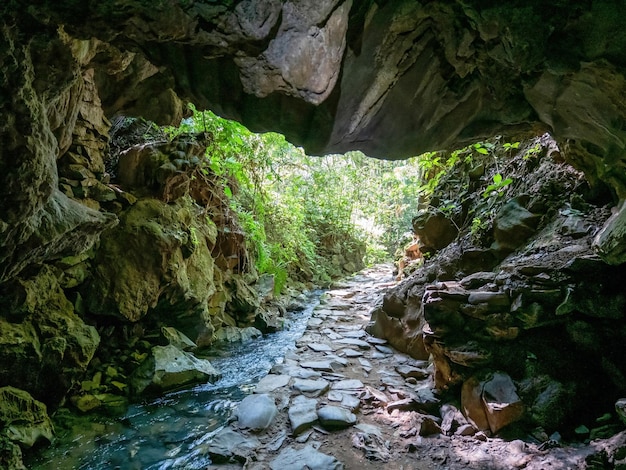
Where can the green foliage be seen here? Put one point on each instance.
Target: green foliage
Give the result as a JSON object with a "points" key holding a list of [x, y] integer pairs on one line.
{"points": [[302, 214], [497, 186]]}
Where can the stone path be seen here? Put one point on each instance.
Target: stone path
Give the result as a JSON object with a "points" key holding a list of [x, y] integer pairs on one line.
{"points": [[345, 399]]}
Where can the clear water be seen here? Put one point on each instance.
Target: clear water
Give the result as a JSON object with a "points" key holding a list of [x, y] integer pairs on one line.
{"points": [[169, 432]]}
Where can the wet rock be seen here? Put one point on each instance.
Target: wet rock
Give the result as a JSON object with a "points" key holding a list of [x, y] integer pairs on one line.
{"points": [[302, 414], [230, 446], [307, 457], [23, 419], [168, 368], [335, 417], [10, 455], [311, 388], [256, 412]]}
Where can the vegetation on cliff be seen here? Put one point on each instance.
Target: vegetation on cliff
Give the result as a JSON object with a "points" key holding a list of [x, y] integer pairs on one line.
{"points": [[307, 218]]}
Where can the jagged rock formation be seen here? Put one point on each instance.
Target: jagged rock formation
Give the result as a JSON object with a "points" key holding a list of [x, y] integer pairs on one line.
{"points": [[390, 78], [519, 290]]}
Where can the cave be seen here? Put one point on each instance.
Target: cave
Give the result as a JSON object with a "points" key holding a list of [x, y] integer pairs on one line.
{"points": [[392, 79]]}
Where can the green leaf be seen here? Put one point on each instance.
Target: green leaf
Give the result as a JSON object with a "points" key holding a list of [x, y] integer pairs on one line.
{"points": [[497, 178], [482, 150], [228, 192]]}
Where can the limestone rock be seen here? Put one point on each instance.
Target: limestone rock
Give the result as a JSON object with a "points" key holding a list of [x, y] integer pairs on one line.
{"points": [[230, 446], [50, 347], [610, 241], [491, 404], [271, 382], [168, 368], [24, 420], [178, 339], [311, 388], [158, 257], [302, 414], [620, 409], [232, 334], [256, 412], [513, 225], [502, 404], [435, 230], [335, 417], [307, 457]]}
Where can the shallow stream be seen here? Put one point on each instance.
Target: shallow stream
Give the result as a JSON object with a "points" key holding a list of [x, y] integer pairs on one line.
{"points": [[169, 432]]}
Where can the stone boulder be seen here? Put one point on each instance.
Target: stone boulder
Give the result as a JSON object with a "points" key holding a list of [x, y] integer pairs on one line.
{"points": [[307, 457], [491, 404], [169, 368], [157, 259], [434, 229], [230, 446], [514, 224], [256, 412], [23, 419], [45, 346]]}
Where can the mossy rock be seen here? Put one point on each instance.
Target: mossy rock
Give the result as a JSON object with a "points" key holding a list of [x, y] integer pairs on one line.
{"points": [[159, 258], [23, 419]]}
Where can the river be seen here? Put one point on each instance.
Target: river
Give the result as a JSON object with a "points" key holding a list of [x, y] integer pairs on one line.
{"points": [[169, 432]]}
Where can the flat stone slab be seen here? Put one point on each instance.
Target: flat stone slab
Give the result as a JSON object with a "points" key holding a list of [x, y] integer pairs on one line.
{"points": [[349, 384], [351, 352], [319, 347], [337, 362], [384, 349], [271, 382], [375, 340], [302, 414], [315, 321], [358, 334], [335, 417], [359, 343], [325, 366], [307, 457], [228, 446], [311, 388], [331, 334], [407, 371], [256, 412]]}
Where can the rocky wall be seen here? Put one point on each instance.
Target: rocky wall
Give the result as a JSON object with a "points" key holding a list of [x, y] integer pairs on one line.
{"points": [[518, 290]]}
